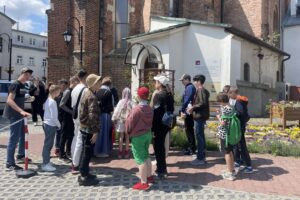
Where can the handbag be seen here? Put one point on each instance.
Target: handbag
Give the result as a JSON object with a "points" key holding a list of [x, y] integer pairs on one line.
{"points": [[168, 119]]}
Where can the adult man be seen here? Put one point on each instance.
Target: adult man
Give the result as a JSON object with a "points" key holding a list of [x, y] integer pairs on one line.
{"points": [[200, 110], [187, 98], [14, 111], [67, 130], [37, 89], [76, 95]]}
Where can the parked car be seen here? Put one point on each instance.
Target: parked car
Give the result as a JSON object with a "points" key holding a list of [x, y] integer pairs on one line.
{"points": [[4, 85]]}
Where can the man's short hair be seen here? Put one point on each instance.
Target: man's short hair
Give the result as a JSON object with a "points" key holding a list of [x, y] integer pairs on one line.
{"points": [[74, 79], [226, 88], [107, 81], [82, 74], [222, 97], [63, 81], [200, 78], [234, 89]]}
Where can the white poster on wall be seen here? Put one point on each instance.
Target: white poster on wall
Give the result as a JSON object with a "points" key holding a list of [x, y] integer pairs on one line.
{"points": [[211, 69]]}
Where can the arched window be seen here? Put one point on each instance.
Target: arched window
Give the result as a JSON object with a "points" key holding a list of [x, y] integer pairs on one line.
{"points": [[246, 72]]}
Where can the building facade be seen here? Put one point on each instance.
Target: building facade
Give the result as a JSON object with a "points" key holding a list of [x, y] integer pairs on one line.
{"points": [[106, 22], [292, 44], [29, 50], [6, 24]]}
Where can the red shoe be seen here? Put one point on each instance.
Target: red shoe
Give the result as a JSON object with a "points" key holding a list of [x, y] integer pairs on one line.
{"points": [[141, 186], [150, 179], [56, 152], [120, 154], [75, 170], [126, 154]]}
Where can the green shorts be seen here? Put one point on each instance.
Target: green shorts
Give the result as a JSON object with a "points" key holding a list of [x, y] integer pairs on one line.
{"points": [[140, 147]]}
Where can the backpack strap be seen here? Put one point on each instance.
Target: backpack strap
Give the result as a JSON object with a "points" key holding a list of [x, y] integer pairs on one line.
{"points": [[79, 97]]}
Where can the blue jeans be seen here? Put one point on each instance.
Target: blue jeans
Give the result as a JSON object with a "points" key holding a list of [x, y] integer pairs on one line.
{"points": [[48, 142], [57, 139], [16, 135], [201, 144]]}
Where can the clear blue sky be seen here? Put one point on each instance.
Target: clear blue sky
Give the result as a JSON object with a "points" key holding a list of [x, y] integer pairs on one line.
{"points": [[29, 13]]}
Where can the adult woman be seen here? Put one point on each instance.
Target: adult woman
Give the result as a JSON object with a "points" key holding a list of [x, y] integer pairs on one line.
{"points": [[163, 102], [103, 145]]}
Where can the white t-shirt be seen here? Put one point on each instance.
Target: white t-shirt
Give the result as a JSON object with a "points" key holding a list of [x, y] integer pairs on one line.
{"points": [[51, 113], [75, 94]]}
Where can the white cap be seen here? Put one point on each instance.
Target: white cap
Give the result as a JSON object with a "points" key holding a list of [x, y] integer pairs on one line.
{"points": [[162, 79]]}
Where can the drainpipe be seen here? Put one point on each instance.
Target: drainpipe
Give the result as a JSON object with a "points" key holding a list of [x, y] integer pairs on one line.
{"points": [[101, 33], [222, 12], [282, 66], [171, 8]]}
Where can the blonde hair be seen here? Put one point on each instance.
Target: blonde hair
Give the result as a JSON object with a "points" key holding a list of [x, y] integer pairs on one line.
{"points": [[53, 89]]}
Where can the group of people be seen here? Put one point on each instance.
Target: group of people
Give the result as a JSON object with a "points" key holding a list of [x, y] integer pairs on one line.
{"points": [[233, 117], [82, 113]]}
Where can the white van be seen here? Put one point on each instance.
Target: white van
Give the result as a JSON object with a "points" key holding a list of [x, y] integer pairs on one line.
{"points": [[4, 85]]}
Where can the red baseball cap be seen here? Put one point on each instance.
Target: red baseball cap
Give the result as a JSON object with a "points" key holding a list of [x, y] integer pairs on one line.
{"points": [[143, 93]]}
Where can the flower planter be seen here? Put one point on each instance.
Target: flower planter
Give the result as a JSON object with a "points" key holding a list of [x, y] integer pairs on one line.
{"points": [[284, 113]]}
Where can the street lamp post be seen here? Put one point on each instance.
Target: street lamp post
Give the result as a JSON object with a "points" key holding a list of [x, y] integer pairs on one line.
{"points": [[68, 34], [10, 54]]}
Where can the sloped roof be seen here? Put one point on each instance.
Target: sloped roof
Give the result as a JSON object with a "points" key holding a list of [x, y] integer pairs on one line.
{"points": [[4, 15], [227, 27]]}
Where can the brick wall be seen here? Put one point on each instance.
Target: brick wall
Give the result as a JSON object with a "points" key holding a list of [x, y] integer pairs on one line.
{"points": [[205, 10]]}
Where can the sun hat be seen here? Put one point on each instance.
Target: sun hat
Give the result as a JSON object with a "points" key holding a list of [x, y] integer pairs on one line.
{"points": [[92, 79], [162, 79]]}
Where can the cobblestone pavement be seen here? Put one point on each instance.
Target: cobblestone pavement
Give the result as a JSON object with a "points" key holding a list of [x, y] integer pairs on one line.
{"points": [[113, 185]]}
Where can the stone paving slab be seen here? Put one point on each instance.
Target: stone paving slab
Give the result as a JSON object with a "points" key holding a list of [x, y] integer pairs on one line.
{"points": [[113, 185]]}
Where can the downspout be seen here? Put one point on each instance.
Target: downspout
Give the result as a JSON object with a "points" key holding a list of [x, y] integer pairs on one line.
{"points": [[282, 66], [101, 34], [171, 8], [222, 12]]}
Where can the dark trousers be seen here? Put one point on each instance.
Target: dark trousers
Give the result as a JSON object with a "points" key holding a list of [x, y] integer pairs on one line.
{"points": [[159, 150], [66, 137], [37, 108], [189, 130], [241, 153], [86, 154], [201, 154]]}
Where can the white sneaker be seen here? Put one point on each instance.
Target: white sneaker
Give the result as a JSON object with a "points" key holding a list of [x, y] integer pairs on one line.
{"points": [[35, 124], [48, 168]]}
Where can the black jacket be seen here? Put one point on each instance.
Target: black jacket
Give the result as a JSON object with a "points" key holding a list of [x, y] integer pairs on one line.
{"points": [[164, 103]]}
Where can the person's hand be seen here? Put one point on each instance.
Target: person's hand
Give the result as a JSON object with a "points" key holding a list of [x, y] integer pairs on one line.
{"points": [[31, 99], [25, 114], [94, 138], [189, 110]]}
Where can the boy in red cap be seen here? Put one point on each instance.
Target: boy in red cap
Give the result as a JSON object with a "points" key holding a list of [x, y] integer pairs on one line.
{"points": [[138, 126]]}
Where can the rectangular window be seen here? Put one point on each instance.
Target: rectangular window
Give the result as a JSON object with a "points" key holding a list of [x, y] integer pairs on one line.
{"points": [[1, 44], [30, 41], [121, 25], [44, 64], [31, 61], [19, 60], [44, 43], [19, 38], [22, 39], [33, 41]]}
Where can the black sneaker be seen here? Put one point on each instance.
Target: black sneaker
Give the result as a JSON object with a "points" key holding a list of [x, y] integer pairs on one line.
{"points": [[65, 159], [91, 176], [21, 159], [13, 167], [188, 153], [162, 176], [86, 181]]}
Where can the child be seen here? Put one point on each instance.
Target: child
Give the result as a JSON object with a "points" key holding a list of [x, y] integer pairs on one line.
{"points": [[51, 125], [138, 126], [89, 128], [121, 113], [223, 133], [241, 153]]}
